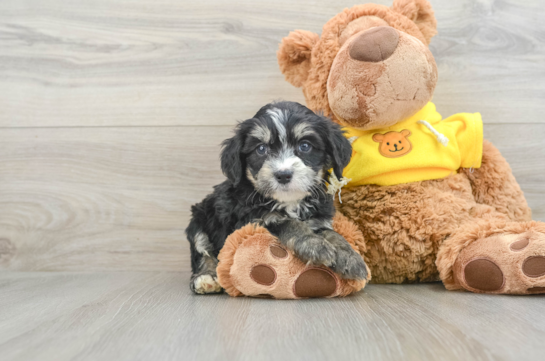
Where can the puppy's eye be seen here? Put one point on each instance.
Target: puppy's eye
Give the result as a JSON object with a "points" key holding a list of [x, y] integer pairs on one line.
{"points": [[261, 149], [400, 142], [305, 147], [388, 143]]}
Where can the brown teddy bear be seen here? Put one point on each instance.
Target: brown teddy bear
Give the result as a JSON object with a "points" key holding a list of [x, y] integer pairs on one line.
{"points": [[430, 198]]}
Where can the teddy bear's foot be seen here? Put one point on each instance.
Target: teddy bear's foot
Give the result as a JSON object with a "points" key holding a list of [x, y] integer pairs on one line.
{"points": [[507, 263], [253, 263]]}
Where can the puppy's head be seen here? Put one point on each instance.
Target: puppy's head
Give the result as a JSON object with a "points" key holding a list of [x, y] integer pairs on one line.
{"points": [[285, 151]]}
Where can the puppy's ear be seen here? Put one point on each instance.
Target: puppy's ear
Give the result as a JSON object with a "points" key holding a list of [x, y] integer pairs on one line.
{"points": [[340, 149], [231, 161]]}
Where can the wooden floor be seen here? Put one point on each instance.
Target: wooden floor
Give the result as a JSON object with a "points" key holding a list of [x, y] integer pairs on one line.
{"points": [[152, 316], [111, 116]]}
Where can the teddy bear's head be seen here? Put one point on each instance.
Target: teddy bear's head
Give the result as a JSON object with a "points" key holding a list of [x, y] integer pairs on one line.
{"points": [[394, 144], [370, 68]]}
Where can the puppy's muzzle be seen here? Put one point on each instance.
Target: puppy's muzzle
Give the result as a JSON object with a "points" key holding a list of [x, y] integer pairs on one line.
{"points": [[283, 176]]}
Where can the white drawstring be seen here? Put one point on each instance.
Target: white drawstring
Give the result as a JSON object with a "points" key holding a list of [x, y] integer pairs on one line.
{"points": [[336, 185], [471, 169], [440, 137]]}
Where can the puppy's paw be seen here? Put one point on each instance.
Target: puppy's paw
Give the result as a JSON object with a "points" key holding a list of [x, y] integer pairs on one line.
{"points": [[349, 264], [316, 250], [203, 284]]}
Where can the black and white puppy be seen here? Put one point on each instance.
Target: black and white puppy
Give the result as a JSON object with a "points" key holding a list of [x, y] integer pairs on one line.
{"points": [[277, 166]]}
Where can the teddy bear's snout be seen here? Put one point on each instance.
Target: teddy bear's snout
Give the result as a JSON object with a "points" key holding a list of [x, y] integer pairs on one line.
{"points": [[380, 76], [374, 45]]}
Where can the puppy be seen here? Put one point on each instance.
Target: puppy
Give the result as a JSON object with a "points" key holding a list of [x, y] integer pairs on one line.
{"points": [[277, 166]]}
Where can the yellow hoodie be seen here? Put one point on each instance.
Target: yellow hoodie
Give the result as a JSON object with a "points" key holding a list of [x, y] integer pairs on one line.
{"points": [[412, 150]]}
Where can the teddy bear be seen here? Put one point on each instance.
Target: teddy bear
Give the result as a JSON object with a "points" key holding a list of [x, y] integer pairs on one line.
{"points": [[426, 198]]}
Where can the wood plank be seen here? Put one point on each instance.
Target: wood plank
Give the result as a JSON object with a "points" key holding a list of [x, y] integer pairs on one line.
{"points": [[488, 54], [212, 62], [103, 198], [153, 316], [119, 198], [522, 146]]}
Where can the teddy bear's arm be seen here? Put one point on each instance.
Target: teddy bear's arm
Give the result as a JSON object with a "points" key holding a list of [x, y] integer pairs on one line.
{"points": [[495, 185]]}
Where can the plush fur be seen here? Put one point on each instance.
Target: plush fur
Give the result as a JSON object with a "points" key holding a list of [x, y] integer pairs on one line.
{"points": [[323, 52], [472, 230], [277, 166]]}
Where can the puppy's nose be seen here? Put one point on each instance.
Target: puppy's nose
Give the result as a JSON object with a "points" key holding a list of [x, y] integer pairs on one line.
{"points": [[374, 45], [283, 176]]}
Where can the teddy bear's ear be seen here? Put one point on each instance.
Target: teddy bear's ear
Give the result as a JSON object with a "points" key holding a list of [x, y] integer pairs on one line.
{"points": [[294, 55], [378, 137], [421, 13]]}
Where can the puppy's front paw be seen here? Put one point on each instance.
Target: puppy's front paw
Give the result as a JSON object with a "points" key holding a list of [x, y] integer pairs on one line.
{"points": [[203, 284], [349, 264], [315, 249]]}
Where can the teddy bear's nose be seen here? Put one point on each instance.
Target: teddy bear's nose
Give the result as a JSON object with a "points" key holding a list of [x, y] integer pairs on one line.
{"points": [[375, 44]]}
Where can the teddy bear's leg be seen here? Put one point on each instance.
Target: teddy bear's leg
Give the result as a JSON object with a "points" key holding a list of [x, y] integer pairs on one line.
{"points": [[253, 263], [495, 256], [493, 184]]}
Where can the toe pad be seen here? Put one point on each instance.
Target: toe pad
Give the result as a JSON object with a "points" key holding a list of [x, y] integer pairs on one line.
{"points": [[520, 244], [263, 274], [534, 266], [484, 275]]}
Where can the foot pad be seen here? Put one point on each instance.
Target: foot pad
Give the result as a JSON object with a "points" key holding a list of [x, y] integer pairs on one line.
{"points": [[509, 263]]}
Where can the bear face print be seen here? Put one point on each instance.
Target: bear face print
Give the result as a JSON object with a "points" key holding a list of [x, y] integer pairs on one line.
{"points": [[393, 144]]}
